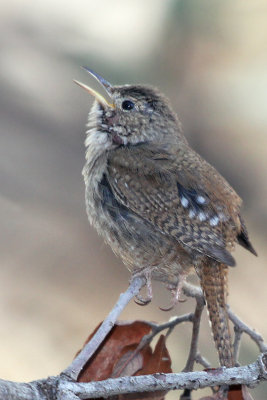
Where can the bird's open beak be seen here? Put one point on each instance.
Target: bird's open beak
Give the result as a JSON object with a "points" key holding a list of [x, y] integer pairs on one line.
{"points": [[107, 86]]}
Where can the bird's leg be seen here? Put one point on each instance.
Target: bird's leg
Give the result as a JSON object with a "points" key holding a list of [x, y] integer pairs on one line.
{"points": [[176, 293], [146, 272]]}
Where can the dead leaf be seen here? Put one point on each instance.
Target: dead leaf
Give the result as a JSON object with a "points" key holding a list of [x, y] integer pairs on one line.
{"points": [[118, 356], [239, 392], [123, 334], [128, 364], [159, 361]]}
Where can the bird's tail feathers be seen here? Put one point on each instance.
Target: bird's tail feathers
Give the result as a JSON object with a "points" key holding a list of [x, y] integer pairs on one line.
{"points": [[214, 279]]}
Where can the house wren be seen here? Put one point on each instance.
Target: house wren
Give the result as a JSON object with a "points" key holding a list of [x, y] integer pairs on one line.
{"points": [[159, 205]]}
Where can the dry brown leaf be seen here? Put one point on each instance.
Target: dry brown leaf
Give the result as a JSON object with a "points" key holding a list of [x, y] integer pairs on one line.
{"points": [[123, 335], [128, 364], [118, 356], [239, 392], [158, 361]]}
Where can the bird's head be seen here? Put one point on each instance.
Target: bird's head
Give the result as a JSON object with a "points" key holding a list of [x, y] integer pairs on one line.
{"points": [[130, 115]]}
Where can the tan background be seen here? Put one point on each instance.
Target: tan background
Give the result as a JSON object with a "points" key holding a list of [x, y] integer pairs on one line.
{"points": [[57, 278]]}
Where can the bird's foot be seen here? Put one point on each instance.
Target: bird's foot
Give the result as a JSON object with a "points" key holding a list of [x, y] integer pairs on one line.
{"points": [[176, 294], [140, 300]]}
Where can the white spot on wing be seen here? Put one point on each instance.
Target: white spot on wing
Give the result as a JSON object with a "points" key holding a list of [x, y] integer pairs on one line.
{"points": [[214, 221], [192, 214], [200, 199], [202, 216], [184, 202]]}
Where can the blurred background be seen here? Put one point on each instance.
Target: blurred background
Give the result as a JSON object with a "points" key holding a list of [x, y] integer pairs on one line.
{"points": [[57, 278]]}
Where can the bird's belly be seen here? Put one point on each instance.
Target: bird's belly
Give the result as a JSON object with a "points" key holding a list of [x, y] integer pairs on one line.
{"points": [[134, 240]]}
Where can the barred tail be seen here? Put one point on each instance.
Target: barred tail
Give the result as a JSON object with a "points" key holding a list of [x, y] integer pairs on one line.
{"points": [[213, 278]]}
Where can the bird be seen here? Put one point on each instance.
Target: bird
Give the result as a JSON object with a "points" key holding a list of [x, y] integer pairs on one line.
{"points": [[163, 209]]}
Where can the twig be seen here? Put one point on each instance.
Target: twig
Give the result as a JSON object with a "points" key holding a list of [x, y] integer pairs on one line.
{"points": [[155, 329], [239, 326], [243, 328], [200, 303], [236, 344], [195, 333], [202, 361], [74, 369]]}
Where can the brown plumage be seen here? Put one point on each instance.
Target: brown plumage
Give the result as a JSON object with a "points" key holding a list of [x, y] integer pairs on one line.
{"points": [[215, 287], [160, 206]]}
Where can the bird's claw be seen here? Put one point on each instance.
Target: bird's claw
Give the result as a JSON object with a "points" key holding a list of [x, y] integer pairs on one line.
{"points": [[140, 300], [176, 295]]}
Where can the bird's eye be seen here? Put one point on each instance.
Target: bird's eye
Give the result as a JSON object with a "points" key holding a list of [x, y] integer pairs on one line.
{"points": [[127, 105]]}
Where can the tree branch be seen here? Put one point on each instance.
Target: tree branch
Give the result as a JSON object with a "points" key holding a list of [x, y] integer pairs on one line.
{"points": [[249, 374], [157, 328], [202, 361], [61, 388], [241, 327], [195, 333], [42, 389]]}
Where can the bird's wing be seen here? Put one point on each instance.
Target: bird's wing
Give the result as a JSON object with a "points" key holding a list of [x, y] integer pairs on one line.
{"points": [[179, 194]]}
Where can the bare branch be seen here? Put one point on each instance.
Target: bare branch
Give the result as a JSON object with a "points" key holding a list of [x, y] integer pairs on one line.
{"points": [[202, 361], [243, 328], [250, 374], [195, 334], [60, 387], [36, 390], [239, 326], [236, 344], [156, 328], [74, 369]]}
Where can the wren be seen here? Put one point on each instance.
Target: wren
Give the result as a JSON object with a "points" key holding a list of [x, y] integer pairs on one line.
{"points": [[160, 206]]}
